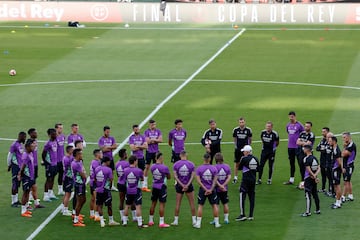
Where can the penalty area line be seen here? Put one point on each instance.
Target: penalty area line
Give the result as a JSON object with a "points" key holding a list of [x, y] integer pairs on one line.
{"points": [[157, 108]]}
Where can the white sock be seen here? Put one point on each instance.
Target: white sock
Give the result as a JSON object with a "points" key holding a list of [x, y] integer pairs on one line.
{"points": [[101, 218], [176, 219], [92, 212], [338, 202], [292, 179], [60, 188], [139, 220], [161, 220], [111, 218], [133, 212], [16, 197], [226, 217], [121, 214], [73, 212], [193, 219], [125, 219], [76, 219], [51, 193], [31, 198], [96, 214], [216, 220], [145, 182], [46, 194], [151, 218], [65, 209], [23, 209], [37, 202], [350, 196], [198, 220], [13, 199]]}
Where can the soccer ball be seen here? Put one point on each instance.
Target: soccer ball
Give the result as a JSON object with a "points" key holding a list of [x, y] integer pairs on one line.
{"points": [[12, 72]]}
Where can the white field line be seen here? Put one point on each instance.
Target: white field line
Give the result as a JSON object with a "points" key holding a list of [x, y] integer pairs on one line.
{"points": [[158, 107]]}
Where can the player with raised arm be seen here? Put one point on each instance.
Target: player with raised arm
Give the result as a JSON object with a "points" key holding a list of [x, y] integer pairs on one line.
{"points": [[14, 164], [249, 165], [96, 162], [211, 139], [293, 128], [133, 175], [270, 141], [160, 174], [176, 140], [153, 137], [242, 136], [184, 173], [75, 135], [312, 169], [337, 170], [49, 157], [103, 182], [60, 139], [79, 175], [224, 177], [107, 145], [321, 147], [207, 176], [349, 155], [138, 144], [68, 179]]}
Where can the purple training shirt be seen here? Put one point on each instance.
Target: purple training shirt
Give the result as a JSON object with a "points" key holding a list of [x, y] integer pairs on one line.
{"points": [[178, 138], [293, 130], [159, 172], [60, 139], [67, 160], [16, 151], [93, 165], [107, 142], [184, 169], [103, 176], [78, 168], [207, 173], [132, 175], [137, 140], [224, 171], [120, 167], [51, 152], [27, 160]]}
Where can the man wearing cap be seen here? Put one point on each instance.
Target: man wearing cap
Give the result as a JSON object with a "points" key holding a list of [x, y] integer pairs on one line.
{"points": [[211, 139], [249, 166], [312, 169]]}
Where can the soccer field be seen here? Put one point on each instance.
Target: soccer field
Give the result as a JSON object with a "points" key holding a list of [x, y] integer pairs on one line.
{"points": [[114, 76]]}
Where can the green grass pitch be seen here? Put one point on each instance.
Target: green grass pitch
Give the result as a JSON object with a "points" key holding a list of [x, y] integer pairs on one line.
{"points": [[130, 71]]}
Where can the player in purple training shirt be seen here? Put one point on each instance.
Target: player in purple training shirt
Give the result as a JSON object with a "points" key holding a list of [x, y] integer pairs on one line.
{"points": [[49, 157], [14, 164], [103, 182], [138, 144], [293, 128], [27, 175], [68, 180], [96, 162], [75, 135], [177, 138], [349, 155], [79, 175], [133, 175], [207, 176], [160, 174], [184, 173], [33, 135], [153, 137], [224, 177], [60, 139]]}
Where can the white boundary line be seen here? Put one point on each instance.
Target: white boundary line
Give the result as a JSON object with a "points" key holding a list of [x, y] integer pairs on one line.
{"points": [[158, 107]]}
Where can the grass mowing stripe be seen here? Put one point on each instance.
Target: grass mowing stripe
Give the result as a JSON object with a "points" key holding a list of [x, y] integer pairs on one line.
{"points": [[169, 97]]}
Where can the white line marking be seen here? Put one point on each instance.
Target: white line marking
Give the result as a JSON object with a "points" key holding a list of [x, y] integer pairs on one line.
{"points": [[158, 107]]}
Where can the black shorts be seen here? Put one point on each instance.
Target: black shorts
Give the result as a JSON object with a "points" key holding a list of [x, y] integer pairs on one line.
{"points": [[60, 167], [121, 188], [80, 189], [175, 157], [336, 176], [112, 165], [141, 163], [150, 157], [267, 155], [68, 184], [104, 198], [50, 171], [27, 183], [222, 197], [310, 185], [238, 154], [92, 189], [136, 199], [14, 179], [36, 172], [159, 194], [349, 171], [202, 197], [178, 189]]}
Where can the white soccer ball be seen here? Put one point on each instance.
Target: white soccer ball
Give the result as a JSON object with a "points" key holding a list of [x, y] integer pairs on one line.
{"points": [[127, 25], [12, 72]]}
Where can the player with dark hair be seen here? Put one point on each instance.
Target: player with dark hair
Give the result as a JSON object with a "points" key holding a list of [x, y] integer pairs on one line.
{"points": [[49, 157], [79, 176], [270, 141], [293, 128], [133, 175], [138, 144], [242, 136], [224, 177], [211, 139], [312, 169], [321, 147], [207, 176], [14, 164], [176, 141], [75, 135], [96, 162], [68, 179], [306, 137], [249, 165], [160, 174], [153, 137], [349, 155], [184, 173], [60, 139], [337, 170], [103, 182]]}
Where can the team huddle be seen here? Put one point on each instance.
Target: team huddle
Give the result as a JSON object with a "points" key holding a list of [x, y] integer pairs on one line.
{"points": [[65, 162]]}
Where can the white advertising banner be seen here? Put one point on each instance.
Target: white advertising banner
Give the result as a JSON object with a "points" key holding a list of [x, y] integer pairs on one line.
{"points": [[319, 13]]}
